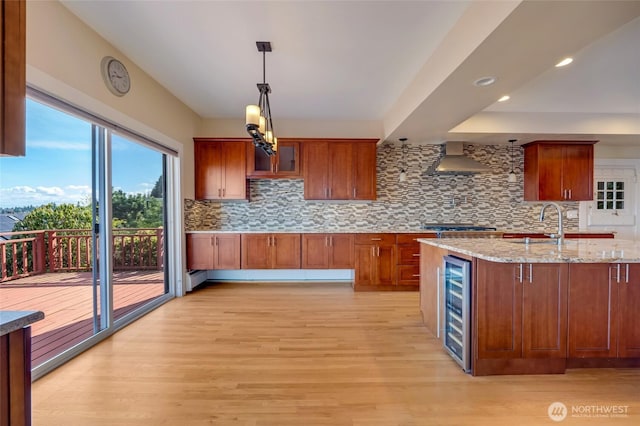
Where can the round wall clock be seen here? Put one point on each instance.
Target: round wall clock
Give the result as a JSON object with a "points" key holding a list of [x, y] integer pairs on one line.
{"points": [[115, 76]]}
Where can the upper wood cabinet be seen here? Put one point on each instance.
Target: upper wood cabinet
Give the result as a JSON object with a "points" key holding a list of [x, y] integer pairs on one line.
{"points": [[220, 169], [271, 251], [213, 251], [285, 164], [13, 81], [339, 169], [558, 171]]}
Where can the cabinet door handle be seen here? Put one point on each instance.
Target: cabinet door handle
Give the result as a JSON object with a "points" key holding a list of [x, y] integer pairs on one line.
{"points": [[373, 251], [216, 238], [530, 273], [416, 275], [626, 276], [211, 241], [326, 241], [438, 302], [354, 192], [273, 240], [570, 196], [330, 241], [219, 192], [618, 273], [378, 251], [416, 255], [376, 239], [520, 276]]}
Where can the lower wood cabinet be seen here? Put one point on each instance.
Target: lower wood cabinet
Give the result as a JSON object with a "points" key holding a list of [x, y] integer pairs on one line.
{"points": [[431, 297], [327, 251], [271, 251], [521, 310], [213, 251], [604, 301], [408, 258], [375, 266]]}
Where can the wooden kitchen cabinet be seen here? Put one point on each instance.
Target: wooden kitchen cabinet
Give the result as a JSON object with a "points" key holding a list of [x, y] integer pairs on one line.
{"points": [[604, 301], [408, 258], [339, 169], [220, 169], [213, 251], [13, 80], [431, 297], [270, 251], [558, 171], [328, 251], [375, 267], [285, 164], [629, 318], [521, 310]]}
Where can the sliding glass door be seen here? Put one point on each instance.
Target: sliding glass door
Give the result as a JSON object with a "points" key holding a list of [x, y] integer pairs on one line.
{"points": [[83, 219], [138, 210]]}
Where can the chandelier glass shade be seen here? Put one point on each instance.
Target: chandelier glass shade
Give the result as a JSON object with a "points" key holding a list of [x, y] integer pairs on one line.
{"points": [[259, 124]]}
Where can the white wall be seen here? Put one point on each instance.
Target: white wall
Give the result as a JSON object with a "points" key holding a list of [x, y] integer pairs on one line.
{"points": [[63, 58], [610, 158]]}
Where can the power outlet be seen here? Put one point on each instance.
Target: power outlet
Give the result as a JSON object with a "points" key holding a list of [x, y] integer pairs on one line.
{"points": [[572, 214]]}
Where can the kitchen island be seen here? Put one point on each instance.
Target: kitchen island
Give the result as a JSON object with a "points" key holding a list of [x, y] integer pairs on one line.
{"points": [[15, 366], [539, 307]]}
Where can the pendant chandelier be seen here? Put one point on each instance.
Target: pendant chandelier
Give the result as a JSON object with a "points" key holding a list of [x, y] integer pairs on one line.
{"points": [[512, 178], [258, 117], [403, 165]]}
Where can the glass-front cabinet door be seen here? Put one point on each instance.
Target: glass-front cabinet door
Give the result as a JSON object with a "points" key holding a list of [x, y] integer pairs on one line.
{"points": [[285, 164]]}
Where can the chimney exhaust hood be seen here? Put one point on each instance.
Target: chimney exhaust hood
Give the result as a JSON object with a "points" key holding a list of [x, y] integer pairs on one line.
{"points": [[455, 162]]}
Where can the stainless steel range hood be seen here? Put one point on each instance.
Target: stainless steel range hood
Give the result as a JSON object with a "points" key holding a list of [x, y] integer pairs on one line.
{"points": [[455, 162]]}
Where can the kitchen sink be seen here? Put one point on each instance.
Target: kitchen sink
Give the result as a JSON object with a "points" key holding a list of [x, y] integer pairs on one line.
{"points": [[532, 241]]}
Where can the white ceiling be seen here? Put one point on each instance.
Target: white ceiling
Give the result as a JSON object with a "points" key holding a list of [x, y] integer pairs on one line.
{"points": [[408, 64]]}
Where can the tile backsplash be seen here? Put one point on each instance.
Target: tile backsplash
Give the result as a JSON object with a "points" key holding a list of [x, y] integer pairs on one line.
{"points": [[484, 199]]}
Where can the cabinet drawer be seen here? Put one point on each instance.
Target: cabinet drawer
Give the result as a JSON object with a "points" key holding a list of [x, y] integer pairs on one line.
{"points": [[408, 274], [411, 238], [408, 254], [375, 239]]}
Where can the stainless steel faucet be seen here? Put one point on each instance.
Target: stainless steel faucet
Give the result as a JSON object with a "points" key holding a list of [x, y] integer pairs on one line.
{"points": [[560, 236]]}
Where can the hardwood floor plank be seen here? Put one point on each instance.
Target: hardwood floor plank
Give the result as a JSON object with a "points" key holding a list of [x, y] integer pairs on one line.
{"points": [[302, 354]]}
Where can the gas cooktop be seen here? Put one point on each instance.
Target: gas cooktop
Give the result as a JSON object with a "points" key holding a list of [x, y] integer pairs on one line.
{"points": [[456, 227]]}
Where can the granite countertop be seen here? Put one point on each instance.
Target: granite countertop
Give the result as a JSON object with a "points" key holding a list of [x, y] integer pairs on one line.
{"points": [[369, 231], [15, 320], [319, 231], [587, 250]]}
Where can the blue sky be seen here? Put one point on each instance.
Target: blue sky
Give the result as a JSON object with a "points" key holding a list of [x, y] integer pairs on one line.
{"points": [[57, 166]]}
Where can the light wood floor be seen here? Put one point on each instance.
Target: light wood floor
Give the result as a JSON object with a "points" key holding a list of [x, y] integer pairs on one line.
{"points": [[302, 354]]}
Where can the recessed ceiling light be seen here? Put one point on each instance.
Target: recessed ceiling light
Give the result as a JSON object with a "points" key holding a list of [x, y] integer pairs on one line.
{"points": [[565, 61], [484, 81], [504, 98]]}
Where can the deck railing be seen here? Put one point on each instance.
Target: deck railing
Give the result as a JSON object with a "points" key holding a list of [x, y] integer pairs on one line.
{"points": [[64, 250]]}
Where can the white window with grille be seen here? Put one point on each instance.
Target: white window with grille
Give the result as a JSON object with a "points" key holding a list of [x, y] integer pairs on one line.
{"points": [[613, 201]]}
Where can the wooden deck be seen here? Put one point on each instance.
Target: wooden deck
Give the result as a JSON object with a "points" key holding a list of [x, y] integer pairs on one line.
{"points": [[66, 300]]}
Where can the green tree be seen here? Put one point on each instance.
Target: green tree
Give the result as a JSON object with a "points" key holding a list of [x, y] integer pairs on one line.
{"points": [[56, 216], [135, 210], [157, 191]]}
